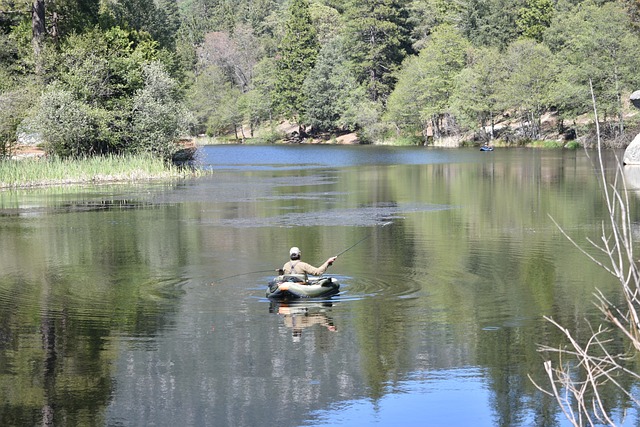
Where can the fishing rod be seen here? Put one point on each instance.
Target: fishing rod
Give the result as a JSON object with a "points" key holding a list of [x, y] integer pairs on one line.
{"points": [[355, 244], [278, 270], [243, 274], [361, 240]]}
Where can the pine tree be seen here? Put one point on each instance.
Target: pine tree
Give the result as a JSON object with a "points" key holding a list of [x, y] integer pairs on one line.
{"points": [[534, 18], [331, 89], [491, 23], [297, 54], [379, 35]]}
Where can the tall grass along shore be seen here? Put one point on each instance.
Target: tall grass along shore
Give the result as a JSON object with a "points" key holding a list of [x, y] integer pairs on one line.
{"points": [[56, 171]]}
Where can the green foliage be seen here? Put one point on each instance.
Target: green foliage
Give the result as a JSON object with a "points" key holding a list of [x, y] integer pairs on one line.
{"points": [[426, 82], [405, 102], [597, 44], [16, 52], [143, 16], [73, 16], [65, 123], [158, 120], [491, 22], [207, 98], [426, 15], [55, 170], [367, 114], [102, 67], [530, 72], [329, 64], [330, 89], [475, 95], [546, 144], [327, 22], [378, 37], [109, 97], [227, 117], [534, 18], [572, 145], [253, 108], [297, 56], [408, 140], [14, 107]]}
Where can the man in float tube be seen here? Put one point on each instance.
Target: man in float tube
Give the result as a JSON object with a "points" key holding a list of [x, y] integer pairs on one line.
{"points": [[297, 266]]}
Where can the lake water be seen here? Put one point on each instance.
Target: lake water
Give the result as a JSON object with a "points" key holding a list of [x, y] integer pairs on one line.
{"points": [[139, 305]]}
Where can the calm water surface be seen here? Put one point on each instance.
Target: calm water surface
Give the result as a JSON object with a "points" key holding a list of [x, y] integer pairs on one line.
{"points": [[136, 305]]}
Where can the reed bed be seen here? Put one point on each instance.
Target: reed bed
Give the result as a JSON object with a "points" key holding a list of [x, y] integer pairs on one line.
{"points": [[56, 171]]}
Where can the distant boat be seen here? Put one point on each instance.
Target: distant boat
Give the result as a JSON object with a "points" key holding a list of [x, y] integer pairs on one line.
{"points": [[486, 148]]}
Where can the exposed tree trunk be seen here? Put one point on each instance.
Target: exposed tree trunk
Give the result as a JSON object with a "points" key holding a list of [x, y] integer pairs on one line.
{"points": [[493, 125], [38, 32], [54, 27], [619, 99]]}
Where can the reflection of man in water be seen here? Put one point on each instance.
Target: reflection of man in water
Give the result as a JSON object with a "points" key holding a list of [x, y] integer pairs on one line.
{"points": [[299, 318], [297, 266]]}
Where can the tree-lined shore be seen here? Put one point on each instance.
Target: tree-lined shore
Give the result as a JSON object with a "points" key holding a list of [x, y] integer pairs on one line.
{"points": [[90, 77]]}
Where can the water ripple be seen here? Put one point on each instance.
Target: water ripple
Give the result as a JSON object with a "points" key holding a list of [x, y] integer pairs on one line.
{"points": [[356, 217], [371, 287], [135, 308]]}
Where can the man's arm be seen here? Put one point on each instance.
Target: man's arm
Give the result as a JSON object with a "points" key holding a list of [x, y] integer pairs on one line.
{"points": [[318, 271]]}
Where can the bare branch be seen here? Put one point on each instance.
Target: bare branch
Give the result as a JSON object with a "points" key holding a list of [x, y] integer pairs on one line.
{"points": [[577, 384]]}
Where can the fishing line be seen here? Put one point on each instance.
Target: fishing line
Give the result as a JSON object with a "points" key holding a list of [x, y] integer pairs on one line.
{"points": [[243, 274], [276, 270], [362, 240]]}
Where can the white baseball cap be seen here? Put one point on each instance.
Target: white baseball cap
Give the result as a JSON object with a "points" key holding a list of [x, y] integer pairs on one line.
{"points": [[294, 251]]}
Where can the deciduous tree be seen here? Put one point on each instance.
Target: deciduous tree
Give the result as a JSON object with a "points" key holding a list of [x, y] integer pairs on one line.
{"points": [[425, 85], [475, 95], [236, 54], [158, 119], [597, 42], [530, 73]]}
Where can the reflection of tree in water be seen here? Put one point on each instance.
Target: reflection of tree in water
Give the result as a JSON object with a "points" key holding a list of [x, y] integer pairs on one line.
{"points": [[55, 348], [76, 381], [301, 315]]}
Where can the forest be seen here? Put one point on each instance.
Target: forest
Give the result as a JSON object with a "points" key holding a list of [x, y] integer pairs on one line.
{"points": [[90, 77]]}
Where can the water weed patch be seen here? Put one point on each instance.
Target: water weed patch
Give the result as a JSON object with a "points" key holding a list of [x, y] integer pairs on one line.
{"points": [[56, 171]]}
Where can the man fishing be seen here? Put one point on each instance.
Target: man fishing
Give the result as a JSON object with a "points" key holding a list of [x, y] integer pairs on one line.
{"points": [[297, 266]]}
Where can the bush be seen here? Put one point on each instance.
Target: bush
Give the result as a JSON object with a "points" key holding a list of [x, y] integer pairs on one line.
{"points": [[545, 144], [572, 145], [15, 105], [66, 124], [157, 119]]}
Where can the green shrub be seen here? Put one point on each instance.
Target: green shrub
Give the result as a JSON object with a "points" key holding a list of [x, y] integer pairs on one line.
{"points": [[157, 120], [66, 124], [408, 140], [546, 144], [15, 105], [572, 145], [55, 170]]}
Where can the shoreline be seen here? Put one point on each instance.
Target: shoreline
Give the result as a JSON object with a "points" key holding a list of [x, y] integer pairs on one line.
{"points": [[37, 172], [30, 168]]}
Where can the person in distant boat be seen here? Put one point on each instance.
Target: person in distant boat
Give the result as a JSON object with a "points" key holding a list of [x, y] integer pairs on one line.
{"points": [[297, 266]]}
